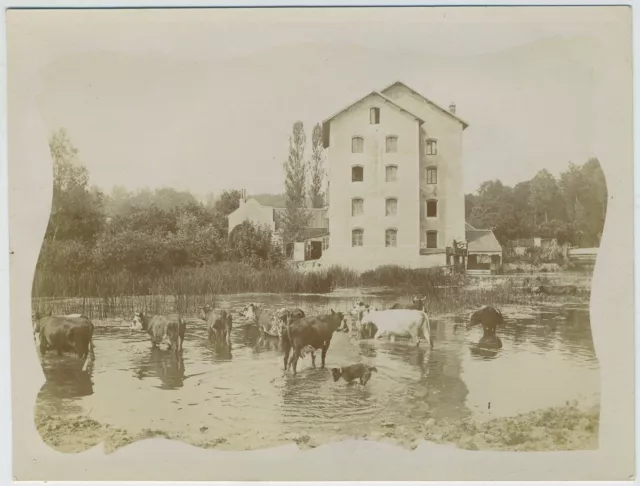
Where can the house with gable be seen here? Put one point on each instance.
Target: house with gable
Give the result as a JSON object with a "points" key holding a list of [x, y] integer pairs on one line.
{"points": [[395, 181]]}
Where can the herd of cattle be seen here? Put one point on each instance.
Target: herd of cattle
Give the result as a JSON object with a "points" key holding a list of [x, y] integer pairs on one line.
{"points": [[299, 334]]}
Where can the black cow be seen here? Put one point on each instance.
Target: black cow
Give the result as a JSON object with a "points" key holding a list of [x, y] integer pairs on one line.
{"points": [[65, 334], [488, 317]]}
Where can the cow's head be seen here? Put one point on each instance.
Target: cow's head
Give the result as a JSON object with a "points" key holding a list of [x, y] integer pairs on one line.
{"points": [[420, 300], [37, 316], [205, 311], [358, 308], [35, 320], [336, 373], [140, 321], [339, 322], [165, 344], [251, 312]]}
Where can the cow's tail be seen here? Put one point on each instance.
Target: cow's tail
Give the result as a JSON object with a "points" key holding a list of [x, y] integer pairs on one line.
{"points": [[426, 329]]}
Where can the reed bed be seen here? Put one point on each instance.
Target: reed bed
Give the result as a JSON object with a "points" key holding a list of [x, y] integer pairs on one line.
{"points": [[185, 291]]}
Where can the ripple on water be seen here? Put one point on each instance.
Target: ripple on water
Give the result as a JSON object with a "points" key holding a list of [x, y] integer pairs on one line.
{"points": [[547, 358]]}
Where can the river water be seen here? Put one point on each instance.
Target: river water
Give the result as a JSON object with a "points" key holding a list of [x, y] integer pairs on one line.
{"points": [[244, 397]]}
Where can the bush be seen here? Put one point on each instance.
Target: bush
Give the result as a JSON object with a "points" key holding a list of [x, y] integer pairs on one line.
{"points": [[253, 246]]}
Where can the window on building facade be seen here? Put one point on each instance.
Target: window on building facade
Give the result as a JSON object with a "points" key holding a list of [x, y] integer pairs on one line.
{"points": [[391, 237], [392, 144], [325, 243], [357, 145], [432, 208], [357, 207], [374, 116], [432, 175], [357, 173], [432, 147], [432, 239], [391, 173], [357, 237], [391, 207]]}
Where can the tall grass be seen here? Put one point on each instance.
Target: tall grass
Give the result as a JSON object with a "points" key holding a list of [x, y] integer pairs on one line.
{"points": [[229, 278], [120, 294]]}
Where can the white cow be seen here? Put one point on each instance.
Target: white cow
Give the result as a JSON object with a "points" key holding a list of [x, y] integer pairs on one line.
{"points": [[399, 323]]}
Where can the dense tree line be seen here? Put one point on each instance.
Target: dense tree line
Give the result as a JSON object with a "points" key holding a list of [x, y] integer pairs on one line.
{"points": [[140, 232], [163, 229], [572, 208]]}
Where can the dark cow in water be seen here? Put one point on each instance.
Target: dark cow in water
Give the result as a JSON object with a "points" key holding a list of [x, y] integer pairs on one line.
{"points": [[488, 317], [165, 331], [557, 290], [219, 324], [309, 332], [65, 334]]}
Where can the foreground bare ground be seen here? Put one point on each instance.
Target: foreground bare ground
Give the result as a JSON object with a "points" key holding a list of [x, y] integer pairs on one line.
{"points": [[553, 429]]}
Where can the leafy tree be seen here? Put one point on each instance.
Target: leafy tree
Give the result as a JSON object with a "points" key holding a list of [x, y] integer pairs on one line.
{"points": [[253, 245], [470, 200], [228, 202], [545, 198], [316, 168], [76, 211], [296, 218]]}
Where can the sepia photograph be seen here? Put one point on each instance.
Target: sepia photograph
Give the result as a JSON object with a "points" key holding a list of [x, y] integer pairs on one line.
{"points": [[240, 229]]}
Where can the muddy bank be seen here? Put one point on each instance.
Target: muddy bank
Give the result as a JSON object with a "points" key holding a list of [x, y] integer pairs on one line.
{"points": [[552, 429]]}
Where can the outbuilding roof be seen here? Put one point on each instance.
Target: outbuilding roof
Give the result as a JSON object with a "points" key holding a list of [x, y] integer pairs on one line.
{"points": [[482, 241]]}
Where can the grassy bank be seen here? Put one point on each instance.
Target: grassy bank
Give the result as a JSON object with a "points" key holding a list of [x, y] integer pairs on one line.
{"points": [[550, 429]]}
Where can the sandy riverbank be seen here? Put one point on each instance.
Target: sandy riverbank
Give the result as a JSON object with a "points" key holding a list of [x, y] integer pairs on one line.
{"points": [[551, 429]]}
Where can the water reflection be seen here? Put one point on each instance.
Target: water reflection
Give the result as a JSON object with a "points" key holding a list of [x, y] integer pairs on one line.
{"points": [[163, 365], [243, 390], [66, 379]]}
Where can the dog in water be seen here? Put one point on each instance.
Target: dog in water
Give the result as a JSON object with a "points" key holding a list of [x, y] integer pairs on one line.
{"points": [[353, 372]]}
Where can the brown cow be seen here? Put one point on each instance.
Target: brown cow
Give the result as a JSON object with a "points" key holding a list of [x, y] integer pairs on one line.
{"points": [[165, 331], [417, 303], [219, 324], [488, 317], [315, 332], [270, 324], [65, 334]]}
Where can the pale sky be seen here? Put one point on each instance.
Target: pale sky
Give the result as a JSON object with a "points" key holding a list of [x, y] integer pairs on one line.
{"points": [[204, 100]]}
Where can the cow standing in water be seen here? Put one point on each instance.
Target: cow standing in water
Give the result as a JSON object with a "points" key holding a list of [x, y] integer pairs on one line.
{"points": [[165, 331], [309, 332], [65, 334], [394, 323], [273, 324], [490, 318], [219, 324]]}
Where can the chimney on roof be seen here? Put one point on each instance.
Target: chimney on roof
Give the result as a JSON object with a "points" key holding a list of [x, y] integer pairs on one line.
{"points": [[452, 108]]}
